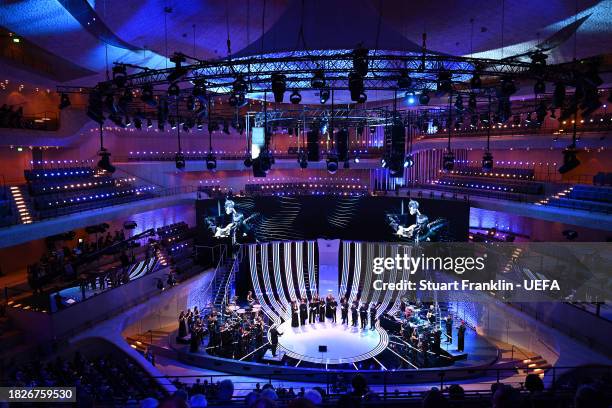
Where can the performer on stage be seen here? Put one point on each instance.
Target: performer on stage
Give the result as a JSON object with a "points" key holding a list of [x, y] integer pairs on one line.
{"points": [[334, 309], [303, 312], [182, 332], [449, 328], [461, 336], [431, 314], [354, 309], [250, 299], [328, 304], [274, 335], [372, 316], [314, 309], [295, 322], [363, 315], [344, 308], [322, 310]]}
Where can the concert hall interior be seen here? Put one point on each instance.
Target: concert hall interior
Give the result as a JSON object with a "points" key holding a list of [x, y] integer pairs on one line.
{"points": [[306, 203]]}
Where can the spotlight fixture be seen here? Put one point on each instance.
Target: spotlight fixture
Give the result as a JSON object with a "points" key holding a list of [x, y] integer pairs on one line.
{"points": [[179, 71], [226, 127], [211, 161], [410, 99], [279, 86], [324, 95], [172, 123], [356, 159], [362, 98], [149, 124], [119, 75], [174, 90], [448, 160], [128, 121], [179, 161], [295, 97], [239, 85], [318, 79], [64, 101], [160, 125], [559, 95], [248, 161], [444, 83], [332, 163], [116, 119], [570, 159], [137, 123], [404, 82], [487, 161], [199, 124], [147, 95], [570, 234], [233, 100], [424, 98], [459, 103], [539, 87], [104, 163], [199, 90], [475, 81], [507, 86], [360, 60], [303, 159], [408, 161]]}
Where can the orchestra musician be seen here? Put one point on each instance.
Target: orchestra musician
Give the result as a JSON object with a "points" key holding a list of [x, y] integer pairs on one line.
{"points": [[250, 299], [344, 308], [274, 335], [461, 336], [322, 310], [303, 312], [449, 328], [333, 304]]}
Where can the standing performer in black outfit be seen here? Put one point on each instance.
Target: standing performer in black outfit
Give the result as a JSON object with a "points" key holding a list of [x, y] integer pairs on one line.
{"points": [[334, 307], [372, 316], [322, 310], [295, 322], [354, 309], [314, 309], [274, 335], [344, 307], [449, 328], [303, 312], [461, 336], [363, 315]]}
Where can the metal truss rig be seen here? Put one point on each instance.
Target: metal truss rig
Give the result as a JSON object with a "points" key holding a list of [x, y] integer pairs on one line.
{"points": [[384, 69]]}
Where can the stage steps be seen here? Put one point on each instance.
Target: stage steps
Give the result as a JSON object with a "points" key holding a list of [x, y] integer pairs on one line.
{"points": [[222, 277]]}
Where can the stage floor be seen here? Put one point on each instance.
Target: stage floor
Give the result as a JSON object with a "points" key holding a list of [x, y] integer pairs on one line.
{"points": [[345, 344]]}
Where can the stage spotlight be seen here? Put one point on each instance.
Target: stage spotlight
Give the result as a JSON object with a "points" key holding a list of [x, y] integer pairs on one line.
{"points": [[147, 95], [410, 98], [179, 161], [424, 98], [444, 83], [539, 87], [404, 81], [64, 101], [199, 124], [226, 127], [356, 159], [211, 161], [362, 98], [116, 119], [570, 234], [179, 71], [119, 75], [239, 85], [295, 97], [137, 123], [332, 163], [128, 121], [475, 81], [507, 86], [324, 95], [199, 89], [408, 161], [265, 161], [558, 95], [303, 159], [248, 161], [541, 112], [233, 100], [360, 61], [279, 86], [149, 123], [174, 90], [104, 163], [448, 160], [355, 85], [570, 160], [487, 161], [318, 79]]}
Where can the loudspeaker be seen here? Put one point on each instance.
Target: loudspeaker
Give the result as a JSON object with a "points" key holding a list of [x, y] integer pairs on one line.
{"points": [[342, 144], [322, 349], [312, 145]]}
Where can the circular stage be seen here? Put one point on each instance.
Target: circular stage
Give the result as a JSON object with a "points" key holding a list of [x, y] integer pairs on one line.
{"points": [[345, 344]]}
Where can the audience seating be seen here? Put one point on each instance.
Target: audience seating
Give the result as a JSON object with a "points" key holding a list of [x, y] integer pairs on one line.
{"points": [[307, 188], [583, 197]]}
